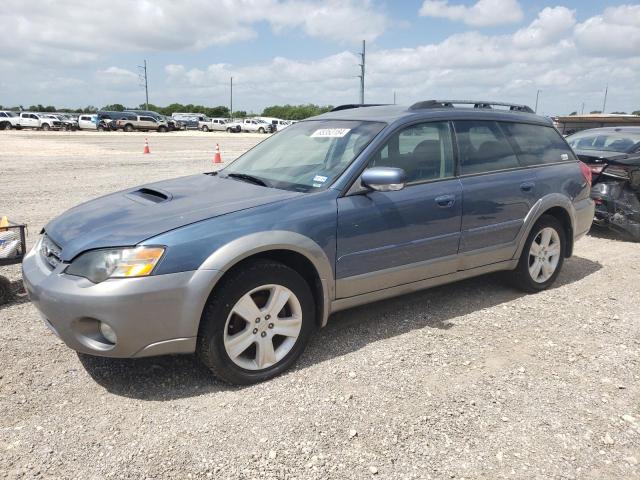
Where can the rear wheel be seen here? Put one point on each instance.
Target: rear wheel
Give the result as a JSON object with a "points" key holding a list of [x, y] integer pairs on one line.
{"points": [[256, 324], [128, 127], [542, 256], [5, 290], [46, 127], [205, 128], [261, 130]]}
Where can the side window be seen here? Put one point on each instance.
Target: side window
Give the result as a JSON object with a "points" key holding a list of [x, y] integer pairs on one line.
{"points": [[424, 152], [483, 147], [537, 144], [2, 114]]}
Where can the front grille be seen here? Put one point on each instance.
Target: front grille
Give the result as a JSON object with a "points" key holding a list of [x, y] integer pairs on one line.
{"points": [[50, 252]]}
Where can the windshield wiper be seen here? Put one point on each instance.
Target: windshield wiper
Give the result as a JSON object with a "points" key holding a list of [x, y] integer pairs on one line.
{"points": [[248, 178]]}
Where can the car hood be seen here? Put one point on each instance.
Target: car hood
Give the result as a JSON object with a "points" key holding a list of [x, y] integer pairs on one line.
{"points": [[131, 216]]}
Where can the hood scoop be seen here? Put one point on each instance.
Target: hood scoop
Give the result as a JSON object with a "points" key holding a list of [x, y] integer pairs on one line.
{"points": [[148, 196]]}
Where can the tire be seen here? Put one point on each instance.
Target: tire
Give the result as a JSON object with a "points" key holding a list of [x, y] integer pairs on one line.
{"points": [[46, 127], [229, 130], [162, 129], [261, 130], [5, 290], [549, 233], [128, 127], [5, 126], [101, 128], [249, 289], [205, 128]]}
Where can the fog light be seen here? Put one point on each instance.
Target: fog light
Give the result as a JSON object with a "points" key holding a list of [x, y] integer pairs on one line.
{"points": [[108, 333]]}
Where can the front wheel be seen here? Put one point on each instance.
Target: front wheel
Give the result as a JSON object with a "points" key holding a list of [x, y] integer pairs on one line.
{"points": [[162, 129], [205, 128], [256, 323], [542, 256], [261, 130], [5, 126], [45, 127]]}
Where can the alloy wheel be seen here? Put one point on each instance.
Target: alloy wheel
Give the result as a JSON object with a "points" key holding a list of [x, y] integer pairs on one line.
{"points": [[262, 327], [544, 254]]}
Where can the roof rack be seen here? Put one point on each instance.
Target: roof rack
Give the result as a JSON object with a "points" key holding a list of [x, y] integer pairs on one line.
{"points": [[356, 105], [513, 107]]}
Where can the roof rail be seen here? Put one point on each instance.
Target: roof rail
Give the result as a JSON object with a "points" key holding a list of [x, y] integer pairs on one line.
{"points": [[356, 105], [514, 107]]}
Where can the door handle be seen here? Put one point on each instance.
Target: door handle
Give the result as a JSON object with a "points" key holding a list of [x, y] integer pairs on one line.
{"points": [[527, 186], [445, 201]]}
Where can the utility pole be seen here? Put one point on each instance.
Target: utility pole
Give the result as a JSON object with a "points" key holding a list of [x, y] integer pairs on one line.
{"points": [[582, 111], [146, 83], [394, 97], [231, 100], [362, 55], [537, 97], [604, 103]]}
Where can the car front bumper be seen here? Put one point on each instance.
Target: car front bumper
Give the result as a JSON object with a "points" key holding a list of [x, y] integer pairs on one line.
{"points": [[154, 315]]}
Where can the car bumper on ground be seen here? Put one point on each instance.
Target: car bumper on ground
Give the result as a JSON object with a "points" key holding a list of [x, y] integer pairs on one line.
{"points": [[153, 315]]}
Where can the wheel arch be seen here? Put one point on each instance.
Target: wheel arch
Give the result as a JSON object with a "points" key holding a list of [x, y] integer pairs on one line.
{"points": [[292, 249], [558, 206]]}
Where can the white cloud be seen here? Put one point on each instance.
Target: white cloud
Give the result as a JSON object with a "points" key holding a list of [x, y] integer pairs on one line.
{"points": [[75, 31], [549, 26], [484, 13], [614, 33]]}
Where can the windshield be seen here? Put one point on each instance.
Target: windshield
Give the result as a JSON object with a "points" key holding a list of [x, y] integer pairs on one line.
{"points": [[307, 156], [623, 142]]}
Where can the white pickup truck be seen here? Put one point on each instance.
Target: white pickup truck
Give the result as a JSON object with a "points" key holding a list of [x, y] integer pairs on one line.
{"points": [[38, 121], [8, 119], [214, 124], [250, 125]]}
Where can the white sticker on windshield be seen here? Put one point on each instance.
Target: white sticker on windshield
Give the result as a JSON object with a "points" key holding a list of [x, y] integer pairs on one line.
{"points": [[319, 178], [564, 157], [330, 133]]}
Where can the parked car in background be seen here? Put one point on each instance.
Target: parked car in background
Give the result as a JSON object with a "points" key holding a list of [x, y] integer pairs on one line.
{"points": [[88, 121], [8, 119], [233, 126], [169, 122], [107, 120], [278, 124], [253, 125], [342, 209], [38, 121], [67, 123], [613, 155], [143, 123], [207, 124]]}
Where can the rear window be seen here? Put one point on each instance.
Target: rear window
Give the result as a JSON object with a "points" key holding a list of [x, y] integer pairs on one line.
{"points": [[537, 144], [483, 147]]}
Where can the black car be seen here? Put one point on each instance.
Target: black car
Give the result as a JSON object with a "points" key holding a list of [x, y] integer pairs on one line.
{"points": [[613, 155]]}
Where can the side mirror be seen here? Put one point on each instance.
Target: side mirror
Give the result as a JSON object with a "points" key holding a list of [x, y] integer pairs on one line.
{"points": [[384, 179]]}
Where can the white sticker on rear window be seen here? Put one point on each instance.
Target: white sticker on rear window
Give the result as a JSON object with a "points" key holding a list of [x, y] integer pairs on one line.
{"points": [[330, 133], [319, 178], [564, 157]]}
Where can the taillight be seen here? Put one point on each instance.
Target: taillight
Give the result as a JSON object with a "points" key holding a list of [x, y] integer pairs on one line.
{"points": [[586, 172], [597, 169]]}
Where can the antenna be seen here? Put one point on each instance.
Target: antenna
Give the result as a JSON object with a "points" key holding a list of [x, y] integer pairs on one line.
{"points": [[143, 78]]}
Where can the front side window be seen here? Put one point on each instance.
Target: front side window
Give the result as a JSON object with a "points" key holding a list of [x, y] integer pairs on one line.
{"points": [[423, 151], [537, 144], [306, 158], [483, 147]]}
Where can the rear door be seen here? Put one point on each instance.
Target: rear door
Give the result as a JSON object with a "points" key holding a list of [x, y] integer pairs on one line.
{"points": [[497, 193], [387, 239]]}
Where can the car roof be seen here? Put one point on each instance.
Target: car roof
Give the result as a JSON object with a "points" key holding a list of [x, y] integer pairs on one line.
{"points": [[395, 113]]}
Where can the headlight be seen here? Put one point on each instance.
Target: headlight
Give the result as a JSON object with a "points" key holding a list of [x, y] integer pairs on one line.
{"points": [[99, 265]]}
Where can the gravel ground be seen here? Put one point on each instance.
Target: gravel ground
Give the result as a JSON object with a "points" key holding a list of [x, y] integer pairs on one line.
{"points": [[471, 380]]}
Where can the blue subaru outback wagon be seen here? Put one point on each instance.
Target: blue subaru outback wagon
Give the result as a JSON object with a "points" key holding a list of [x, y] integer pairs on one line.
{"points": [[349, 207]]}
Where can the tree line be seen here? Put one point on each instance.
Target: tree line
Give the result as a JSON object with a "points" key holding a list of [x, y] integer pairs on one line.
{"points": [[285, 112]]}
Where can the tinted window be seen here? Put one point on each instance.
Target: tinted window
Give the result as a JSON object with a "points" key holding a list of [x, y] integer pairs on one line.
{"points": [[147, 119], [423, 151], [483, 147], [537, 144]]}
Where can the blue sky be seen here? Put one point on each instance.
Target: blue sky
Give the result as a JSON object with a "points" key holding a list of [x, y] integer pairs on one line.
{"points": [[72, 53]]}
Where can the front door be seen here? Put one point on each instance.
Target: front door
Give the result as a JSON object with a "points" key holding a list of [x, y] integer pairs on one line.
{"points": [[393, 238]]}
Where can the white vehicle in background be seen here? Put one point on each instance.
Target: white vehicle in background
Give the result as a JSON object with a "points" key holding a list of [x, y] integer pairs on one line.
{"points": [[212, 124], [8, 120], [67, 123], [38, 121], [88, 122], [253, 125], [278, 123]]}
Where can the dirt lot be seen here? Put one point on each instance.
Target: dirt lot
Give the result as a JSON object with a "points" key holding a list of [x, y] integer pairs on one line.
{"points": [[472, 380]]}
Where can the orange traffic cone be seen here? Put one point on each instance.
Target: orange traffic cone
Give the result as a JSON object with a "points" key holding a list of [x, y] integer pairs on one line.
{"points": [[217, 158], [146, 147]]}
